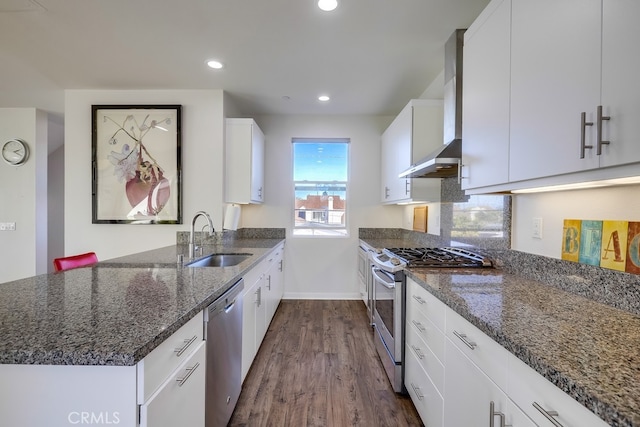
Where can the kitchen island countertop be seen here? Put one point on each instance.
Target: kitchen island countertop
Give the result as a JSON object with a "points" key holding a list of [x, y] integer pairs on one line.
{"points": [[117, 311]]}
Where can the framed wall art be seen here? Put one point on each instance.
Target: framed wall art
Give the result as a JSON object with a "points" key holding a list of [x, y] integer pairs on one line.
{"points": [[136, 163]]}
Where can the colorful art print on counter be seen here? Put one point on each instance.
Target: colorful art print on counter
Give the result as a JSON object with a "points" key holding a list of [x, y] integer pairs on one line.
{"points": [[633, 249], [614, 245], [136, 163], [590, 242], [571, 240]]}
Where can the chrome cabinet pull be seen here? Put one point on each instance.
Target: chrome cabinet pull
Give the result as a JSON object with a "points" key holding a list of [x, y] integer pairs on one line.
{"points": [[493, 414], [407, 187], [583, 131], [418, 352], [419, 325], [187, 343], [416, 389], [599, 120], [190, 371], [463, 337], [269, 282], [548, 414], [420, 300]]}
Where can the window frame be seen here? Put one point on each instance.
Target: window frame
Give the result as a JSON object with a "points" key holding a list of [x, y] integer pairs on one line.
{"points": [[317, 231]]}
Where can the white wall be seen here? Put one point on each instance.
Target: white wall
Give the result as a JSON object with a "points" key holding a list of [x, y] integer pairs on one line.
{"points": [[612, 203], [23, 196], [322, 267], [202, 169]]}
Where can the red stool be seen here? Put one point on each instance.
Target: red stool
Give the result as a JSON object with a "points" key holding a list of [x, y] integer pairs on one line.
{"points": [[75, 261]]}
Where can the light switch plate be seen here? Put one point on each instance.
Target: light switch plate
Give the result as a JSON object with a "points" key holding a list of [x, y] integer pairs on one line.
{"points": [[536, 228], [7, 226]]}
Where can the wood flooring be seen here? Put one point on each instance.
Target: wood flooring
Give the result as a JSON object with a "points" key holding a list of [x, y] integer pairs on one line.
{"points": [[318, 366]]}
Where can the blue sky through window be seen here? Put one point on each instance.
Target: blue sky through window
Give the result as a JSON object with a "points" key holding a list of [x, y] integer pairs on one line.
{"points": [[320, 161]]}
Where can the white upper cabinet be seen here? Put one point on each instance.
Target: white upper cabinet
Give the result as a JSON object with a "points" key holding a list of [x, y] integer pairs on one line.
{"points": [[620, 90], [485, 98], [244, 162], [414, 133], [555, 76]]}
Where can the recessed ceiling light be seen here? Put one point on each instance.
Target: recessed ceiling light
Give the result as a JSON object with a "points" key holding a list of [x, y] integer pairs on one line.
{"points": [[216, 65], [327, 5], [323, 98]]}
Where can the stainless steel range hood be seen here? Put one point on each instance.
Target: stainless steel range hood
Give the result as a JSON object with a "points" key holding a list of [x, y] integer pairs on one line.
{"points": [[444, 162]]}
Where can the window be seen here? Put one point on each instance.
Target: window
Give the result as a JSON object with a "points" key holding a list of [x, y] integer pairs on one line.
{"points": [[320, 177]]}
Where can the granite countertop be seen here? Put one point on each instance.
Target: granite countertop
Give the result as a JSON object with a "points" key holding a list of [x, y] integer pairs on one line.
{"points": [[116, 312], [588, 349]]}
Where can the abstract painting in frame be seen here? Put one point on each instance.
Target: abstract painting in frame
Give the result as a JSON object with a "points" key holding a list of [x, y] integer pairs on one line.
{"points": [[136, 164]]}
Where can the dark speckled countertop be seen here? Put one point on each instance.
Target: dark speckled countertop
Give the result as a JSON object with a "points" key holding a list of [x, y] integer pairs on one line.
{"points": [[116, 312], [588, 349]]}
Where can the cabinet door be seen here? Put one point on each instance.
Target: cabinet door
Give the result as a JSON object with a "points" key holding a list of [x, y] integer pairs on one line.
{"points": [[249, 349], [555, 75], [180, 400], [396, 157], [620, 68], [257, 164], [486, 95], [468, 392]]}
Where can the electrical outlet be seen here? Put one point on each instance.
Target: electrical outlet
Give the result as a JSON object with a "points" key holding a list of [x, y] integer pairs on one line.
{"points": [[536, 228], [7, 226]]}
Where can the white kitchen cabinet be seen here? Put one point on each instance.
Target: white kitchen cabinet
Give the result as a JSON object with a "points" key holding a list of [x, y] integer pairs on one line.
{"points": [[620, 93], [485, 97], [424, 394], [244, 162], [181, 398], [555, 75], [253, 316], [274, 282], [413, 134], [527, 387]]}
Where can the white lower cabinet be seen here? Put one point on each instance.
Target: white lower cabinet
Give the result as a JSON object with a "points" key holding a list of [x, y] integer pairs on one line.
{"points": [[540, 399], [459, 376], [181, 399]]}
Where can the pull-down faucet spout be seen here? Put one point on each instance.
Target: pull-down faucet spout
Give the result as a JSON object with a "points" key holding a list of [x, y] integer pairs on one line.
{"points": [[193, 224]]}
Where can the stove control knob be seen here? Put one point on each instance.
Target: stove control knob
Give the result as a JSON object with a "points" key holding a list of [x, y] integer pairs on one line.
{"points": [[395, 261]]}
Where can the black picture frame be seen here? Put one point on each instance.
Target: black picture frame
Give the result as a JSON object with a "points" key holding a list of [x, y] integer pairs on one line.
{"points": [[136, 164]]}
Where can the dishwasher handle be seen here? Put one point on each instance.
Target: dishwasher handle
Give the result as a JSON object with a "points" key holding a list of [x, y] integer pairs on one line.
{"points": [[224, 303]]}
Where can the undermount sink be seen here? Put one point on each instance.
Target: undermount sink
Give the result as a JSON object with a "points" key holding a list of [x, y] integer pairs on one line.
{"points": [[220, 260]]}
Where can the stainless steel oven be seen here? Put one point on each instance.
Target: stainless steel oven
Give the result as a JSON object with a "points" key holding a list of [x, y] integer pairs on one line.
{"points": [[389, 295], [388, 291]]}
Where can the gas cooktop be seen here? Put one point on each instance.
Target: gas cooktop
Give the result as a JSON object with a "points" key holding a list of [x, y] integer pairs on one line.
{"points": [[439, 257]]}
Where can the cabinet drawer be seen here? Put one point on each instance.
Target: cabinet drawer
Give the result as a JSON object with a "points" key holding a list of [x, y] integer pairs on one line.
{"points": [[431, 306], [154, 369], [426, 398], [180, 401], [427, 360], [485, 353], [426, 330], [526, 386]]}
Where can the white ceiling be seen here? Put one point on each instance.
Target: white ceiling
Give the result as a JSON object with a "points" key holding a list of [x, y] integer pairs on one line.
{"points": [[370, 56]]}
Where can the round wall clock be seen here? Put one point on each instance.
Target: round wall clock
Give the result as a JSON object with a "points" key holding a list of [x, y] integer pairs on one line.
{"points": [[15, 152]]}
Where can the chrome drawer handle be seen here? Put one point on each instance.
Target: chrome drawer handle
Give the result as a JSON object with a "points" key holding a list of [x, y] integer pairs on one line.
{"points": [[418, 352], [463, 337], [548, 414], [190, 371], [419, 395], [419, 325], [187, 343], [493, 413], [583, 130], [600, 118], [420, 300]]}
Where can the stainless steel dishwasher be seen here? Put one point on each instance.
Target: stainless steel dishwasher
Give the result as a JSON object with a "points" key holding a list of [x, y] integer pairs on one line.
{"points": [[223, 335]]}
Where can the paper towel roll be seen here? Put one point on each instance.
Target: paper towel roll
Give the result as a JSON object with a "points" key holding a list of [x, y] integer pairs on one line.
{"points": [[231, 217]]}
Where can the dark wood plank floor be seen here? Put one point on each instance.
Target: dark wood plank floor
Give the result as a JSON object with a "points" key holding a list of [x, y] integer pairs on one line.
{"points": [[317, 366]]}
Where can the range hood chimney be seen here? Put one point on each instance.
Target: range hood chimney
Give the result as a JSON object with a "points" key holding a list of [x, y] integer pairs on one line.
{"points": [[444, 162]]}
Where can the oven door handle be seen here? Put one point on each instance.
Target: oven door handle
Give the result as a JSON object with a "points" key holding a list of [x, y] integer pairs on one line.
{"points": [[379, 279]]}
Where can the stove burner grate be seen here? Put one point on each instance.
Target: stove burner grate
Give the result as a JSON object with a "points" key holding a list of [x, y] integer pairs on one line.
{"points": [[440, 257]]}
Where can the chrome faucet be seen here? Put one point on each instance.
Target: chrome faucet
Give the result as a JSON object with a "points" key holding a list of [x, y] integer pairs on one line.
{"points": [[193, 224]]}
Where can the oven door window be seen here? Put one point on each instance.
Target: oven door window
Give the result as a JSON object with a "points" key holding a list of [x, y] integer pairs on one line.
{"points": [[385, 296]]}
